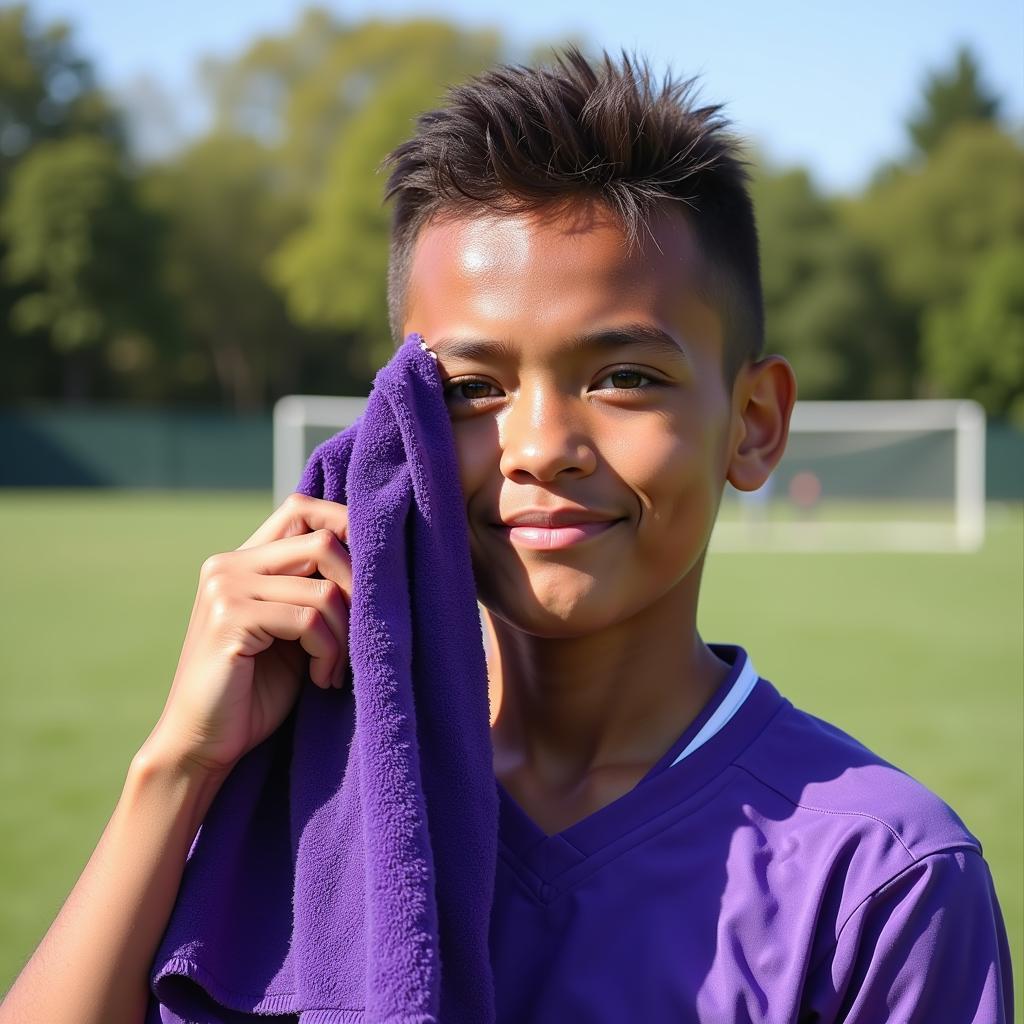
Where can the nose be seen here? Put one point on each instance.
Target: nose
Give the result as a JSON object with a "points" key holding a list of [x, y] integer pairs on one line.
{"points": [[543, 434]]}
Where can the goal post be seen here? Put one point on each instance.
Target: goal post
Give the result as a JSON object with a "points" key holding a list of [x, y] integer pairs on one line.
{"points": [[856, 476], [301, 422]]}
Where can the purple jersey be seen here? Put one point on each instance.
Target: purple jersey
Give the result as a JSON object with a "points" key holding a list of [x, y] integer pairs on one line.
{"points": [[778, 872]]}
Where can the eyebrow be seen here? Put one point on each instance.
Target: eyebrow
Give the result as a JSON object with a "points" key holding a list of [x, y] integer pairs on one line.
{"points": [[633, 335]]}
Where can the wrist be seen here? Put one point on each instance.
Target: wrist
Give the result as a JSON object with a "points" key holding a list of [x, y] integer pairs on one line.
{"points": [[162, 754], [178, 779]]}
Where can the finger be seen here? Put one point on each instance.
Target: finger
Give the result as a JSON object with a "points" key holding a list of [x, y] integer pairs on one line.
{"points": [[305, 624], [319, 551], [324, 595], [300, 513]]}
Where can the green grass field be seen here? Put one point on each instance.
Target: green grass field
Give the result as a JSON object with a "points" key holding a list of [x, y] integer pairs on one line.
{"points": [[918, 655]]}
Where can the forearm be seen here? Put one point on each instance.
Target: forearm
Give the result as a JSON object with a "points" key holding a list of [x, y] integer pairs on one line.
{"points": [[93, 963]]}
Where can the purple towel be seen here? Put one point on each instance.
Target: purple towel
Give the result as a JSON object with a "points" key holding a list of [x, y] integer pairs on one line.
{"points": [[345, 870]]}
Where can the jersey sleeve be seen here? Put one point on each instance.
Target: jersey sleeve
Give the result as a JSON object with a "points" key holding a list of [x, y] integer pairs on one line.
{"points": [[929, 945]]}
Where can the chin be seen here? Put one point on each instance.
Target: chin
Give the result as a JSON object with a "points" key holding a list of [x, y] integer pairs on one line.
{"points": [[557, 616]]}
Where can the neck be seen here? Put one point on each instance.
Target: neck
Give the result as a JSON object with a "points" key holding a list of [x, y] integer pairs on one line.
{"points": [[565, 708]]}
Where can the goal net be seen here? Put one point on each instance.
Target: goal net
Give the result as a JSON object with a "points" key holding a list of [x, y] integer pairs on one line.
{"points": [[856, 476], [868, 476]]}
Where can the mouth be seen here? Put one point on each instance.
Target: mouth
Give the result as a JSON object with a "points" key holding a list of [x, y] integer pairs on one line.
{"points": [[542, 538]]}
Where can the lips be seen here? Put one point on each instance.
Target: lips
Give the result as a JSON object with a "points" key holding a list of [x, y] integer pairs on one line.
{"points": [[555, 529], [552, 519], [540, 538]]}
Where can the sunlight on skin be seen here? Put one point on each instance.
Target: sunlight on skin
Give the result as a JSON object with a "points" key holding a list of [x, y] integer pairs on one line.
{"points": [[539, 428]]}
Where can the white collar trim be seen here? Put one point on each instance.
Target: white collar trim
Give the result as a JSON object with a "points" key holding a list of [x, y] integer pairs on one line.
{"points": [[738, 693]]}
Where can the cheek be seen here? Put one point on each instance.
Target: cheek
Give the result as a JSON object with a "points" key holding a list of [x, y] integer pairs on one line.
{"points": [[477, 452], [673, 473]]}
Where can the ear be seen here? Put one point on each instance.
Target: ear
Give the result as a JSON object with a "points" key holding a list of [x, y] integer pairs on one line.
{"points": [[763, 399]]}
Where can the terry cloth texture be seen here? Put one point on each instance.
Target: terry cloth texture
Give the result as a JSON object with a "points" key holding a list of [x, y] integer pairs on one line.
{"points": [[345, 871]]}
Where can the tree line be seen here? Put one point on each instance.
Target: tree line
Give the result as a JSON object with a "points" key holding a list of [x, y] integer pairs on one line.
{"points": [[251, 262]]}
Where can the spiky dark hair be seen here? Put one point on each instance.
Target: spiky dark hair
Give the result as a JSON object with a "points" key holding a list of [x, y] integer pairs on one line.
{"points": [[516, 139]]}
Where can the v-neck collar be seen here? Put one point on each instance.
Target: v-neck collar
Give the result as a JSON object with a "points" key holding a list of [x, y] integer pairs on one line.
{"points": [[541, 859]]}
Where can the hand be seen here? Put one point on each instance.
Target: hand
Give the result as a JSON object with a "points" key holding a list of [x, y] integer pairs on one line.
{"points": [[259, 626]]}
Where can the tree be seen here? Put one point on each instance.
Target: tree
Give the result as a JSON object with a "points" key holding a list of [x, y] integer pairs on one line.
{"points": [[48, 92], [930, 222], [324, 102], [976, 348], [226, 213], [333, 270], [47, 89], [932, 226], [291, 92], [82, 249], [826, 307], [951, 97]]}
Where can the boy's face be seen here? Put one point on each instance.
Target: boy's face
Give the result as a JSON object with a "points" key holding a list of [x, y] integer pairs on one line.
{"points": [[637, 433]]}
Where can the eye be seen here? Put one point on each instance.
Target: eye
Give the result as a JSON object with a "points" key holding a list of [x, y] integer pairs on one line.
{"points": [[473, 389], [467, 389], [626, 376]]}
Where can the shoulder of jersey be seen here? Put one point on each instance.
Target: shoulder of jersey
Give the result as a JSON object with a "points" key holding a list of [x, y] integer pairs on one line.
{"points": [[821, 770]]}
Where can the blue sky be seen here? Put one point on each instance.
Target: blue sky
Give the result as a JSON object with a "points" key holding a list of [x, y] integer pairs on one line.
{"points": [[825, 84]]}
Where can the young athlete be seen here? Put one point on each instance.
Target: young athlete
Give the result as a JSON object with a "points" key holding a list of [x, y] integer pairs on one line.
{"points": [[677, 841]]}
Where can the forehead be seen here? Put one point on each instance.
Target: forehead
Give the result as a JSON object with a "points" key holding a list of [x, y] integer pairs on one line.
{"points": [[553, 271]]}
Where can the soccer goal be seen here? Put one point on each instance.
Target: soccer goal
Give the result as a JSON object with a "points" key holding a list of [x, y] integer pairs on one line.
{"points": [[856, 476], [868, 476]]}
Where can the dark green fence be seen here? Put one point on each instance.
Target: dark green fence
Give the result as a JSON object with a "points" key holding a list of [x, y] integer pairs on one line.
{"points": [[111, 447], [123, 447]]}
